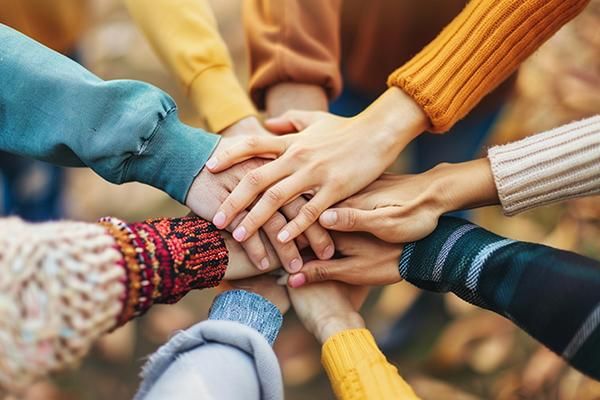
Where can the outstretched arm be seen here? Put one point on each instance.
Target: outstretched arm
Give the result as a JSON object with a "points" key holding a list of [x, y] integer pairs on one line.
{"points": [[553, 295], [66, 283]]}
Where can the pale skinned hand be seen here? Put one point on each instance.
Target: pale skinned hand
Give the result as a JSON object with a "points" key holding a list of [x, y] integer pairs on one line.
{"points": [[362, 259], [406, 208], [209, 190], [331, 159], [328, 308]]}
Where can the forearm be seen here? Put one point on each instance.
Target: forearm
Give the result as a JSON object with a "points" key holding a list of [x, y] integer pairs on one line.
{"points": [[185, 35], [552, 166], [478, 50], [240, 329], [358, 370], [551, 294], [293, 41], [55, 110], [84, 279]]}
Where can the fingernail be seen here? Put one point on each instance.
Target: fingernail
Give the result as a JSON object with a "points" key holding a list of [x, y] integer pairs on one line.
{"points": [[329, 218], [264, 263], [297, 280], [283, 236], [239, 234], [219, 219], [328, 252], [295, 265], [212, 163]]}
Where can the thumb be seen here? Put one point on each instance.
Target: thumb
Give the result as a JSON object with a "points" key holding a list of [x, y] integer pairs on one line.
{"points": [[292, 121], [353, 219]]}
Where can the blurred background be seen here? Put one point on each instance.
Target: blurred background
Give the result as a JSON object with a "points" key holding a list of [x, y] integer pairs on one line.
{"points": [[463, 353]]}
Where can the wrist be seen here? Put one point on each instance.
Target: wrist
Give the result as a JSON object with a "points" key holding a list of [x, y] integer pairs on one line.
{"points": [[286, 96], [332, 325], [464, 186], [397, 118]]}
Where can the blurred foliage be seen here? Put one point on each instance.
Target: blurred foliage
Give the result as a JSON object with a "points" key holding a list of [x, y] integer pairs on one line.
{"points": [[475, 355]]}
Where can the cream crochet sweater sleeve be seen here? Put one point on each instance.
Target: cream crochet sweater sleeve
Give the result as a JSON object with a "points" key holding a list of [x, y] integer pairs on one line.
{"points": [[551, 166]]}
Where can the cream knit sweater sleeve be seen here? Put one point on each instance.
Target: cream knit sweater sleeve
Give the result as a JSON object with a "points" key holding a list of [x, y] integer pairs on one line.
{"points": [[552, 166]]}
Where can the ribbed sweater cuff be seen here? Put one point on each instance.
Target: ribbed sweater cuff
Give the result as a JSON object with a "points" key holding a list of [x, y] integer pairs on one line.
{"points": [[548, 167], [478, 50], [344, 350], [249, 309]]}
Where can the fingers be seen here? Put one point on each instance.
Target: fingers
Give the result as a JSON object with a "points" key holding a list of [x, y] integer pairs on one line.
{"points": [[288, 253], [353, 219], [251, 185], [292, 121], [254, 247], [320, 271], [349, 270], [308, 214], [318, 238], [243, 149]]}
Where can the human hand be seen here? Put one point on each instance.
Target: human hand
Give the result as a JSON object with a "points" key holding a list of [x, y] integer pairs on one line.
{"points": [[328, 159], [328, 308], [363, 260], [205, 203], [406, 208], [286, 96], [264, 285]]}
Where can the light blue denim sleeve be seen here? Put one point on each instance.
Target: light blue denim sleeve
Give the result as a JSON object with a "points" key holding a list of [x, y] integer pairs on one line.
{"points": [[53, 109], [227, 357]]}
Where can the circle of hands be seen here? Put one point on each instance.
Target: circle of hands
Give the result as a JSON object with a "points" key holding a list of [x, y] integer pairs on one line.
{"points": [[327, 234]]}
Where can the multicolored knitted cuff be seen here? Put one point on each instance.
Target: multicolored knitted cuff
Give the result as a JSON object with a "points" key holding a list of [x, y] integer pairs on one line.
{"points": [[165, 258]]}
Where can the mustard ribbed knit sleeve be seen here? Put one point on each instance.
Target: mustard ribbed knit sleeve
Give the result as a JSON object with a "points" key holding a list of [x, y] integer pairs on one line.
{"points": [[480, 48], [358, 370]]}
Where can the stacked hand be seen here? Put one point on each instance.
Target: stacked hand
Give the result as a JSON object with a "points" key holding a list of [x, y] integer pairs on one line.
{"points": [[209, 190]]}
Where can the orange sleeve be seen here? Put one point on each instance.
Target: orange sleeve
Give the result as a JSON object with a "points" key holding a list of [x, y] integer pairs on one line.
{"points": [[478, 50], [293, 41]]}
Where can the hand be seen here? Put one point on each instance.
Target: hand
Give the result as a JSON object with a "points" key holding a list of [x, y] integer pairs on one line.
{"points": [[364, 260], [329, 308], [287, 96], [264, 285], [318, 238], [406, 208], [333, 158], [209, 190]]}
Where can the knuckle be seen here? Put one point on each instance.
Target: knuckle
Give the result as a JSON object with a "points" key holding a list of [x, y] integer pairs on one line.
{"points": [[251, 141], [351, 219], [310, 212], [254, 178], [275, 195], [321, 273], [254, 249]]}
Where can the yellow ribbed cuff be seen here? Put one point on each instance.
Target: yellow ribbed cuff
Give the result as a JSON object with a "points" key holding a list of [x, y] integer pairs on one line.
{"points": [[218, 95], [343, 351], [358, 370]]}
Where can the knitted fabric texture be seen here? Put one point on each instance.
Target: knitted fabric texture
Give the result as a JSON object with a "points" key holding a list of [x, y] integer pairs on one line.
{"points": [[358, 370], [249, 309], [551, 294], [65, 283], [59, 291], [166, 258], [478, 50], [548, 167]]}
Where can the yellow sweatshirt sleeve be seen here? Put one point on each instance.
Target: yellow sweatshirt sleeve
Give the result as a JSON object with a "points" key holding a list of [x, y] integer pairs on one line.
{"points": [[478, 50], [185, 35], [359, 371]]}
